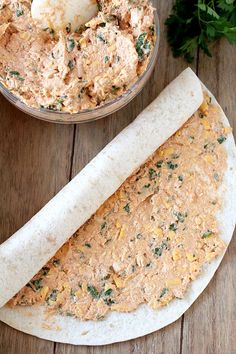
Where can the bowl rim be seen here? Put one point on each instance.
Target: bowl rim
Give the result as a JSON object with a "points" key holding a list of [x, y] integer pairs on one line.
{"points": [[99, 112]]}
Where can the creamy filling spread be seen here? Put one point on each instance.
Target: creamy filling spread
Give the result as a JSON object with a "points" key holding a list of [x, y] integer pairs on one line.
{"points": [[149, 240], [72, 71]]}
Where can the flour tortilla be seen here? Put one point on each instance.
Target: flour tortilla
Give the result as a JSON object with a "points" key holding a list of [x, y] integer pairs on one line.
{"points": [[123, 326], [30, 248]]}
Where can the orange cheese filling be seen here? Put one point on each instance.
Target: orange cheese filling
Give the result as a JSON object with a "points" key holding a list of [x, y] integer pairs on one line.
{"points": [[150, 239]]}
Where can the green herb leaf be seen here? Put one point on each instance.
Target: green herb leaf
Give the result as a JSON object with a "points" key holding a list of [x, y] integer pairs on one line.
{"points": [[152, 174], [71, 64], [73, 295], [103, 226], [101, 38], [115, 88], [56, 262], [19, 12], [109, 302], [196, 23], [158, 250], [45, 271], [216, 177], [93, 291], [171, 165], [207, 234], [159, 164], [49, 30], [173, 227], [163, 292], [180, 216], [70, 44], [142, 46], [127, 208], [68, 28], [221, 139], [36, 284], [52, 296], [108, 292], [16, 74]]}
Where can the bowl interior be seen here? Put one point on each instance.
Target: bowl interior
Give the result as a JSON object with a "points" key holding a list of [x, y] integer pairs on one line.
{"points": [[89, 115]]}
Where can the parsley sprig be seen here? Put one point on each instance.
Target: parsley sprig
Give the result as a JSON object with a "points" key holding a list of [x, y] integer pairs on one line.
{"points": [[196, 23]]}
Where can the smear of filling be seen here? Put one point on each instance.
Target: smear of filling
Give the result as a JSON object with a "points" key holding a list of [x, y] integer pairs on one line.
{"points": [[71, 71], [150, 239]]}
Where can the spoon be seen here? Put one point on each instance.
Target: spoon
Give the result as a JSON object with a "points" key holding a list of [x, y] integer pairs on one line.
{"points": [[59, 14]]}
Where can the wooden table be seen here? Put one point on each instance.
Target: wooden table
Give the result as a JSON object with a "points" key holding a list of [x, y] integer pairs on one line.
{"points": [[37, 159]]}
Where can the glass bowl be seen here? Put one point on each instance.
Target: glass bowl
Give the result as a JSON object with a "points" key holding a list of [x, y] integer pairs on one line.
{"points": [[103, 110]]}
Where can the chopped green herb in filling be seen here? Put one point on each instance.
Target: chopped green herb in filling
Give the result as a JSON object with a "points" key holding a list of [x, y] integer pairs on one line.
{"points": [[93, 291], [56, 262], [19, 12], [216, 177], [45, 270], [71, 64], [181, 216], [103, 225], [35, 285], [163, 292], [52, 296], [127, 208], [109, 302], [173, 227], [159, 163], [171, 165], [158, 250], [16, 74], [115, 88], [221, 139], [142, 46], [108, 292], [207, 234], [152, 174], [70, 44], [68, 28], [49, 30], [101, 38]]}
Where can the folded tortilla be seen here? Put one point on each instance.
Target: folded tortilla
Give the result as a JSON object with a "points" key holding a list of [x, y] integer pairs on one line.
{"points": [[24, 254]]}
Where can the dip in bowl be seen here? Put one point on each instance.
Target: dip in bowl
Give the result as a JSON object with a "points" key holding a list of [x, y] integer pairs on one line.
{"points": [[73, 77]]}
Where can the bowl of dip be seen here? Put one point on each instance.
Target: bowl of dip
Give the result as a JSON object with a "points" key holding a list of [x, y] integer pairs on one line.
{"points": [[80, 76]]}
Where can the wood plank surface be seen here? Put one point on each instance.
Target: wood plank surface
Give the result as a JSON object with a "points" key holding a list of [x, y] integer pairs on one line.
{"points": [[210, 324], [38, 158], [34, 165]]}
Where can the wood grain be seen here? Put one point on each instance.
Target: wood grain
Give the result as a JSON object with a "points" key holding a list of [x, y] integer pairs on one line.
{"points": [[210, 324], [34, 164], [37, 159]]}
